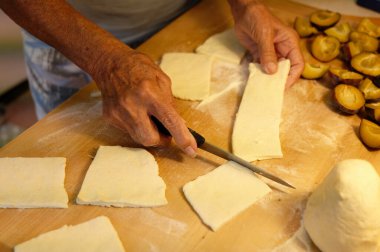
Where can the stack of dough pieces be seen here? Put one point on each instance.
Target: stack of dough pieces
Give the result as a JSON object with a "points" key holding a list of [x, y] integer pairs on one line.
{"points": [[256, 133], [123, 177]]}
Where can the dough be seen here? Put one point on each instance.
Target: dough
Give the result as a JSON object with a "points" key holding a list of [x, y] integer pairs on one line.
{"points": [[190, 74], [343, 214], [256, 133], [95, 235], [122, 176], [224, 46], [223, 193], [32, 182]]}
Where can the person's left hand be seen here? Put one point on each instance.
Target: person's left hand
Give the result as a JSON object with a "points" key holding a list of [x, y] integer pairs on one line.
{"points": [[266, 37]]}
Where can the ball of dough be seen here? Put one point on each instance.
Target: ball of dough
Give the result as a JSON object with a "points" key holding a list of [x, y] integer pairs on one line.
{"points": [[343, 214]]}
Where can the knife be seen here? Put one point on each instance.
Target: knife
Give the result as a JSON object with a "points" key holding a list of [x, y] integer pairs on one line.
{"points": [[202, 144]]}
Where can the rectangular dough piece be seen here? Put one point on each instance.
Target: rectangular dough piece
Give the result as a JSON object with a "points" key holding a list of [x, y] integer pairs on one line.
{"points": [[224, 46], [32, 182], [256, 133], [94, 235], [223, 193], [190, 74], [123, 177]]}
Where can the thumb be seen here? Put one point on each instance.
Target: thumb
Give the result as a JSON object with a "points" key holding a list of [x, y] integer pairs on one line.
{"points": [[268, 57]]}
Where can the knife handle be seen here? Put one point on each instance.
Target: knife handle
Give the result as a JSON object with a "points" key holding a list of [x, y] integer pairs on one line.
{"points": [[161, 128], [198, 137]]}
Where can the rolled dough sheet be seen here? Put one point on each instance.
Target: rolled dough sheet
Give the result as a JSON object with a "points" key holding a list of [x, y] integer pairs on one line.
{"points": [[123, 177], [223, 193], [256, 133], [95, 235], [32, 182], [190, 74], [224, 46]]}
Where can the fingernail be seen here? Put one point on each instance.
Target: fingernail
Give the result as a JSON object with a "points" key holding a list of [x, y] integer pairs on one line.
{"points": [[271, 67], [190, 151]]}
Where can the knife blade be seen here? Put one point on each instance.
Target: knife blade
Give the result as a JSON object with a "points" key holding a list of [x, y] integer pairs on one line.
{"points": [[204, 145]]}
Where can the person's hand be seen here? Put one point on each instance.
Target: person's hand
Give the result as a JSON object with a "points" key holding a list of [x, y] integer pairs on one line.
{"points": [[133, 89], [266, 37]]}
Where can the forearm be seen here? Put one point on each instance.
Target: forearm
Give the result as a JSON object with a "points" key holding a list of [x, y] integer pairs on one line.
{"points": [[59, 25]]}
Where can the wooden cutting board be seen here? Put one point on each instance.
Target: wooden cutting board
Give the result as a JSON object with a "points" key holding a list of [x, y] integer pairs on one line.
{"points": [[314, 137]]}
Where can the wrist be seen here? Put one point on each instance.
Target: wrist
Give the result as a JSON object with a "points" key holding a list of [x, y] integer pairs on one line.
{"points": [[108, 57]]}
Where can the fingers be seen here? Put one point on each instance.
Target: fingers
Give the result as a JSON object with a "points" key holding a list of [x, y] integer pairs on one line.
{"points": [[248, 43], [294, 74], [297, 65], [136, 124], [163, 110], [134, 118], [263, 50], [268, 56], [132, 98], [177, 128], [145, 132]]}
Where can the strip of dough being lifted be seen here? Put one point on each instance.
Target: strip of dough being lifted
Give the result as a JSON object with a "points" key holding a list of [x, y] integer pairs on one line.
{"points": [[256, 133]]}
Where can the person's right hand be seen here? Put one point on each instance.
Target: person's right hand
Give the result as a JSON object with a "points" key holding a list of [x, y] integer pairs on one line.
{"points": [[133, 89]]}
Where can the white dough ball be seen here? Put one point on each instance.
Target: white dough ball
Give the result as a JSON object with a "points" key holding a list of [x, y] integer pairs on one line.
{"points": [[343, 213]]}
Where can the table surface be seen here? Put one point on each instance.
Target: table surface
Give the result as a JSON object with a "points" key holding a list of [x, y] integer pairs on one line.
{"points": [[313, 136]]}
